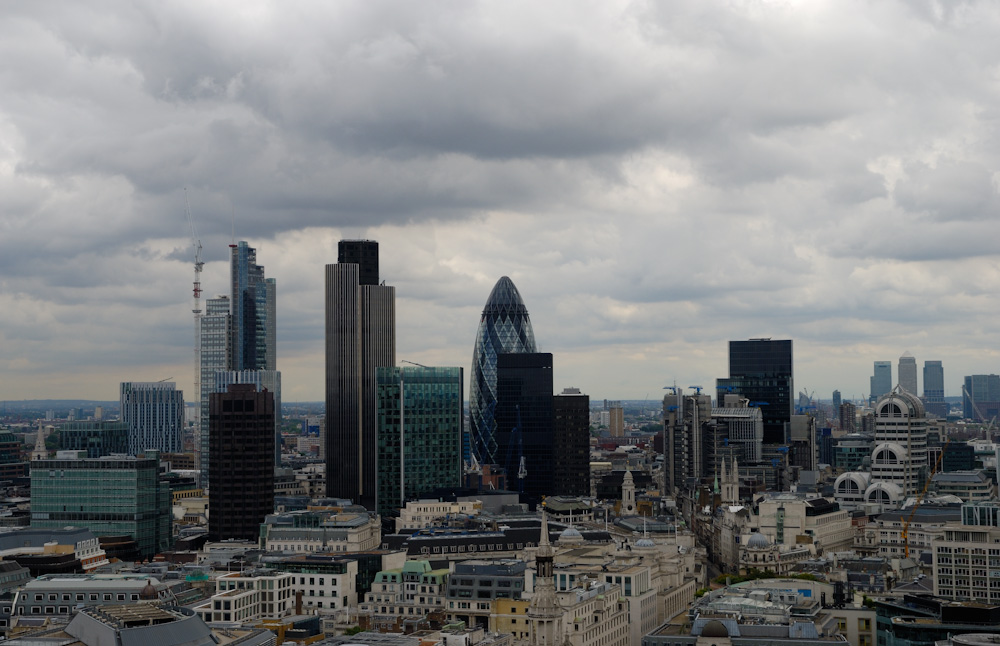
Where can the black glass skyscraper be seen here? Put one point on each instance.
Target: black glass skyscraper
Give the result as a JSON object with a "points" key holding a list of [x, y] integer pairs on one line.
{"points": [[761, 371], [524, 423], [360, 339], [571, 443]]}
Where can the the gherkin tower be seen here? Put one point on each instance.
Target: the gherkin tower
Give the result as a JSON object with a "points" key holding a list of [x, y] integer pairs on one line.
{"points": [[503, 328]]}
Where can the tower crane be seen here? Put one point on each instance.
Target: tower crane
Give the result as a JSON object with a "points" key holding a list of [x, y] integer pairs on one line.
{"points": [[196, 310]]}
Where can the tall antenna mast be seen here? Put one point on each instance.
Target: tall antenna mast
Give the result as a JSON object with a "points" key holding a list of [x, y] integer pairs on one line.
{"points": [[196, 310]]}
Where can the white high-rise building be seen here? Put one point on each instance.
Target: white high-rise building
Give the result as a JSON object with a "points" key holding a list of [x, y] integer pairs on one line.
{"points": [[154, 413]]}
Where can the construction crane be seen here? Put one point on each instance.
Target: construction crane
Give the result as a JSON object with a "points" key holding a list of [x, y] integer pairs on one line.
{"points": [[906, 525], [696, 389], [196, 310]]}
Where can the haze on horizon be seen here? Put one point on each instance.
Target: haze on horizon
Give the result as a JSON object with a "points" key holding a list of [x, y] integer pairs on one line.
{"points": [[656, 178]]}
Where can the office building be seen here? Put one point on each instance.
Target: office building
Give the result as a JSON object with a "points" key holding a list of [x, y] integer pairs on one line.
{"points": [[899, 460], [239, 334], [741, 428], [933, 381], [269, 380], [96, 438], [524, 422], [425, 424], [360, 339], [571, 443], [981, 397], [761, 370], [908, 373], [154, 415], [880, 381], [616, 419], [504, 328], [12, 464], [687, 459], [837, 400], [215, 356], [253, 312], [110, 496], [241, 432]]}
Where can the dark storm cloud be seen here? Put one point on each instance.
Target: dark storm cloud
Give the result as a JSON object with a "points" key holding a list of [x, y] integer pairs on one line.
{"points": [[710, 170]]}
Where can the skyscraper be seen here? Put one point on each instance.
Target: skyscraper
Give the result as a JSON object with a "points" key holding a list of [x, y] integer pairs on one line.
{"points": [[215, 356], [933, 381], [360, 339], [908, 373], [761, 371], [254, 316], [154, 414], [881, 380], [241, 430], [837, 400], [981, 397], [504, 328], [571, 443], [239, 333], [431, 431], [524, 422]]}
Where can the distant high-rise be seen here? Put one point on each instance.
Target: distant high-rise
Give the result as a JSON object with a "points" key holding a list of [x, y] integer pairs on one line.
{"points": [[837, 400], [360, 339], [881, 380], [154, 414], [431, 430], [984, 391], [761, 371], [504, 328], [571, 443], [848, 414], [908, 373], [616, 419], [241, 430], [933, 381], [524, 422]]}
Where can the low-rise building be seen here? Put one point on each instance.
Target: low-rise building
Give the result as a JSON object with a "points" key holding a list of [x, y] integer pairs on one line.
{"points": [[413, 592], [418, 514], [59, 594], [970, 486], [249, 596], [316, 531]]}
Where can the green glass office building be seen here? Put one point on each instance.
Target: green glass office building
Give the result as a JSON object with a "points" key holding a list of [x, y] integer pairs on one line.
{"points": [[110, 496], [430, 430]]}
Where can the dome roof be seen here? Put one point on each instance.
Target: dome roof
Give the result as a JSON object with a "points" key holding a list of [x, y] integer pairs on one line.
{"points": [[715, 628], [504, 295], [570, 534], [148, 592], [758, 540], [895, 403]]}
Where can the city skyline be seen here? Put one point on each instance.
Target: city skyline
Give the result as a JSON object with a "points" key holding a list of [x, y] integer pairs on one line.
{"points": [[666, 180]]}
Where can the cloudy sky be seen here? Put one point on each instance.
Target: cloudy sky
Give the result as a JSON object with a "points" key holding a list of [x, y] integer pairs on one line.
{"points": [[656, 177]]}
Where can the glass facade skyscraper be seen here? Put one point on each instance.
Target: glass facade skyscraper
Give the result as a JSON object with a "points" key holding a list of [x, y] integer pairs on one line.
{"points": [[239, 334], [431, 429], [525, 423], [881, 380], [504, 328], [761, 371]]}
